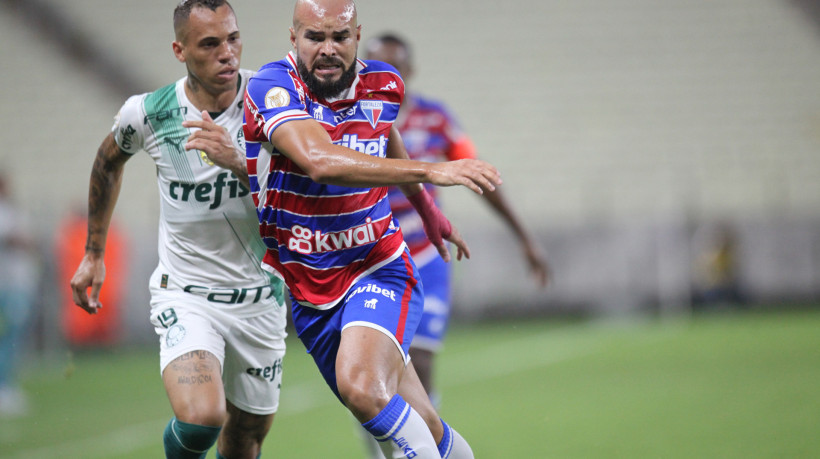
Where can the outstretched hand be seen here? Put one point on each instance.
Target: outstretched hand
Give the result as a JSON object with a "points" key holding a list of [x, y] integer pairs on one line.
{"points": [[90, 273], [474, 174]]}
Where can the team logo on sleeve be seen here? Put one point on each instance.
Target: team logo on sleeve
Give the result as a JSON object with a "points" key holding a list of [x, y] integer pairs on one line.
{"points": [[277, 97], [372, 110]]}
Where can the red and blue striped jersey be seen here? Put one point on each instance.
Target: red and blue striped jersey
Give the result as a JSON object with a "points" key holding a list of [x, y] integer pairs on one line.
{"points": [[321, 238], [430, 134]]}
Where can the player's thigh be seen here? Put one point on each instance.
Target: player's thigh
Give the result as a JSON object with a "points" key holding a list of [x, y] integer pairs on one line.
{"points": [[193, 383], [254, 352], [192, 351]]}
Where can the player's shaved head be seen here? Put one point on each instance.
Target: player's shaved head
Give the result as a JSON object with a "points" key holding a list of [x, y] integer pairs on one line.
{"points": [[310, 11], [183, 12]]}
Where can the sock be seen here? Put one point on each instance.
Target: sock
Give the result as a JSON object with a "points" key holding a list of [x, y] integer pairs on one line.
{"points": [[401, 432], [188, 441], [453, 445]]}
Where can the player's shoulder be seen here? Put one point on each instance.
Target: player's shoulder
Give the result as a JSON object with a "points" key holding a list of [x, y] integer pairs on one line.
{"points": [[163, 98], [273, 70], [371, 66], [377, 76]]}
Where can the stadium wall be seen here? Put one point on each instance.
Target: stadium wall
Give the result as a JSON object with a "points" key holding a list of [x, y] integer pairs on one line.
{"points": [[619, 128]]}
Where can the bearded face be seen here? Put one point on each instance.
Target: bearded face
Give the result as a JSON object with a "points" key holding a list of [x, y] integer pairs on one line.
{"points": [[327, 88]]}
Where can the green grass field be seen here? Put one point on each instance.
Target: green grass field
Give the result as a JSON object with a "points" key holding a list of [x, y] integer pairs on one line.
{"points": [[743, 385]]}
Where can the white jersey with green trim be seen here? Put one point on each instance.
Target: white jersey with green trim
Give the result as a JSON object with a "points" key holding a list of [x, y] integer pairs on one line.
{"points": [[209, 240]]}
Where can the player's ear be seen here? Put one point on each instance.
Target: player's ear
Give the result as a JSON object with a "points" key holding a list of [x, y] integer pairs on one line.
{"points": [[177, 48], [292, 37]]}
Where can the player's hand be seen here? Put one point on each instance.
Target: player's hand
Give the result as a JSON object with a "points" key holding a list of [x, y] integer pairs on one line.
{"points": [[214, 140], [90, 273], [475, 174], [461, 246]]}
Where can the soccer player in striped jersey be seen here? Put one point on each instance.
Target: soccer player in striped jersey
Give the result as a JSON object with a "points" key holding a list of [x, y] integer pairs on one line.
{"points": [[431, 134], [321, 148], [219, 316]]}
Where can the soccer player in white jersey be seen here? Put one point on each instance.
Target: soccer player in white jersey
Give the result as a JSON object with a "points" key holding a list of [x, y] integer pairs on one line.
{"points": [[220, 318]]}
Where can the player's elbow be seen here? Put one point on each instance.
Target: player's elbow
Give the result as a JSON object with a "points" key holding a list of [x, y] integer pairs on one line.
{"points": [[320, 169]]}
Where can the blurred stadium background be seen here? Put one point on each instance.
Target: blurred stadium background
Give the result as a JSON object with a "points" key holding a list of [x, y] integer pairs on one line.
{"points": [[633, 136]]}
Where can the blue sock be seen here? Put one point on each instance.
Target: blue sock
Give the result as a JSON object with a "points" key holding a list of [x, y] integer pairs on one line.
{"points": [[188, 441]]}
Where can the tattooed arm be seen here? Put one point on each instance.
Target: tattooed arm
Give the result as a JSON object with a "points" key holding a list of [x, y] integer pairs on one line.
{"points": [[103, 190]]}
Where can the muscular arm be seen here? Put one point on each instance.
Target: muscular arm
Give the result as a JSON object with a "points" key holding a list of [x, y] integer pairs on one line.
{"points": [[103, 191], [307, 144]]}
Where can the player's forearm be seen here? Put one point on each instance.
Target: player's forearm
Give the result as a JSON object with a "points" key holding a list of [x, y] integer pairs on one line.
{"points": [[103, 191], [397, 150], [350, 168]]}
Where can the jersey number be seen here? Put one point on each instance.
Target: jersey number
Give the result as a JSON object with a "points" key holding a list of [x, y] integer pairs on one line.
{"points": [[168, 317]]}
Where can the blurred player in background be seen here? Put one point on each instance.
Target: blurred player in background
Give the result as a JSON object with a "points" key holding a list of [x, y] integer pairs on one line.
{"points": [[321, 150], [219, 316], [19, 275], [431, 134]]}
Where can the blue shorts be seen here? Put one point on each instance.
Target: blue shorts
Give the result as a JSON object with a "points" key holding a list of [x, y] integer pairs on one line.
{"points": [[436, 316], [389, 300]]}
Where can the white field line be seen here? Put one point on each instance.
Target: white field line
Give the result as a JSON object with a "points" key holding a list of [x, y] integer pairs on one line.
{"points": [[551, 347]]}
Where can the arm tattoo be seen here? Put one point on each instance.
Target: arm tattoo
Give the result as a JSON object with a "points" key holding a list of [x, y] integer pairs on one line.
{"points": [[106, 177]]}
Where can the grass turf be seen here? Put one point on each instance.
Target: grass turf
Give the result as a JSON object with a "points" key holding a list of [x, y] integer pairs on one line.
{"points": [[719, 385]]}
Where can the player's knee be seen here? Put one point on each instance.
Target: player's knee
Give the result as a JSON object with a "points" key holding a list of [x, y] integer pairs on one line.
{"points": [[201, 414], [364, 397]]}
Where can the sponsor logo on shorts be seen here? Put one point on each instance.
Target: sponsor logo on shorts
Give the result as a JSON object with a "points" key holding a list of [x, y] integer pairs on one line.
{"points": [[372, 288], [175, 335], [269, 372], [232, 295]]}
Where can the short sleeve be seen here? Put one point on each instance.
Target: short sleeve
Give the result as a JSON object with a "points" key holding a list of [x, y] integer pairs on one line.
{"points": [[272, 99], [128, 125]]}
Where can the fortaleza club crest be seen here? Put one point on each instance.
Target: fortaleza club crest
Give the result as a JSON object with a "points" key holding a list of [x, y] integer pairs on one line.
{"points": [[372, 110]]}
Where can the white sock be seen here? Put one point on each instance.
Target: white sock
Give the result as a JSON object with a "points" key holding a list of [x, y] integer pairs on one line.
{"points": [[401, 432], [453, 445]]}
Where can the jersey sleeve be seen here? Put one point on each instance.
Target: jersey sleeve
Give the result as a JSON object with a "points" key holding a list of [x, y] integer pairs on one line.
{"points": [[272, 99], [462, 148], [460, 145], [128, 125]]}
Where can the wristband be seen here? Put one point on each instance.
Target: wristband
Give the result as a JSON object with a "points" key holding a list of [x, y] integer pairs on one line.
{"points": [[436, 225]]}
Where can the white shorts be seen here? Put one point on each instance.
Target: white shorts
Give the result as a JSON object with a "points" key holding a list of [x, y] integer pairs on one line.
{"points": [[250, 349]]}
